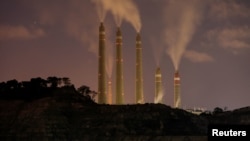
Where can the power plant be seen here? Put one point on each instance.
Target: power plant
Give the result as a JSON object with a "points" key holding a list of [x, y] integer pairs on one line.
{"points": [[119, 68], [139, 79], [158, 86], [177, 97], [101, 66], [104, 97]]}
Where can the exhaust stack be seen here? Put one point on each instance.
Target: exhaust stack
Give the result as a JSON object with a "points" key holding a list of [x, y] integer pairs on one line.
{"points": [[101, 66], [119, 68], [109, 92], [177, 97], [158, 86], [139, 78]]}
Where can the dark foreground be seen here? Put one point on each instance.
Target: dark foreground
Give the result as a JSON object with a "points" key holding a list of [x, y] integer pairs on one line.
{"points": [[70, 116]]}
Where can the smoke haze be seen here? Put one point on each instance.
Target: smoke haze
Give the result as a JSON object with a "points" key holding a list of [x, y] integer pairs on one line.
{"points": [[121, 10], [100, 10], [182, 18], [158, 49]]}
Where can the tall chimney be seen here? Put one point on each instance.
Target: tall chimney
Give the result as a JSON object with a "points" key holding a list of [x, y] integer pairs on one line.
{"points": [[177, 97], [119, 68], [139, 79], [109, 92], [101, 66], [158, 86]]}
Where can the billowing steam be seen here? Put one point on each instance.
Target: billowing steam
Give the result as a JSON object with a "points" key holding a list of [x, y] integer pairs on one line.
{"points": [[158, 50], [182, 18], [101, 12], [121, 10]]}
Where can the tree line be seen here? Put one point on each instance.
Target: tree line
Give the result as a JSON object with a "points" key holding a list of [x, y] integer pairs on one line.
{"points": [[39, 87]]}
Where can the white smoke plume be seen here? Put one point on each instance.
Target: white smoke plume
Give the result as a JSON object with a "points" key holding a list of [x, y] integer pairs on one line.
{"points": [[182, 18], [158, 49], [101, 12], [121, 10]]}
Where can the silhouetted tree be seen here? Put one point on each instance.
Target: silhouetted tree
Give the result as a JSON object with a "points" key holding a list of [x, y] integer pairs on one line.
{"points": [[66, 81], [85, 90], [39, 87], [12, 84], [217, 110], [26, 84], [53, 81], [2, 87], [38, 82], [59, 81]]}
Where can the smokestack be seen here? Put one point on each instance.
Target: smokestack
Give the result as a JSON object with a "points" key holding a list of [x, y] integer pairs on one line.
{"points": [[158, 86], [101, 66], [177, 97], [139, 79], [109, 92], [119, 68]]}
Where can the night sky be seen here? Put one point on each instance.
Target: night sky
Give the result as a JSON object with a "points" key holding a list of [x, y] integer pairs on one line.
{"points": [[41, 38]]}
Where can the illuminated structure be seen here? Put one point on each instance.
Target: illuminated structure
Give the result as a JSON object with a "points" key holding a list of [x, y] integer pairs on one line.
{"points": [[158, 86], [109, 92], [177, 97], [139, 80], [119, 68], [101, 67]]}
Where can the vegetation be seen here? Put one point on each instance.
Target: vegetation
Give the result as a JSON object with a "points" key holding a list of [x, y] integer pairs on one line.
{"points": [[39, 88]]}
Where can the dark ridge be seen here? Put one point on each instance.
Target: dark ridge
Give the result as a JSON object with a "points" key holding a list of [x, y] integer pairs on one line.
{"points": [[69, 114]]}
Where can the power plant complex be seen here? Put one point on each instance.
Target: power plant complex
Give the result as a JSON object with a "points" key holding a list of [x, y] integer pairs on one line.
{"points": [[105, 97]]}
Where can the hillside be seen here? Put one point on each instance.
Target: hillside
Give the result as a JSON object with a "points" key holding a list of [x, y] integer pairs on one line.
{"points": [[71, 116]]}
